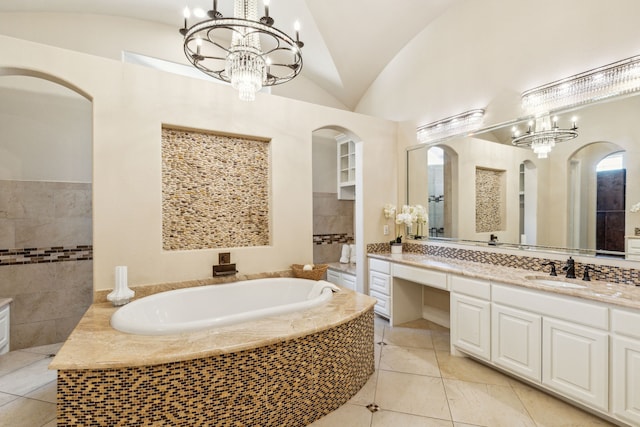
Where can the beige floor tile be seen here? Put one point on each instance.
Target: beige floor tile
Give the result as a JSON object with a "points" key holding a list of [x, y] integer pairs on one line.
{"points": [[52, 423], [547, 411], [13, 360], [408, 337], [28, 379], [6, 398], [412, 394], [45, 349], [24, 412], [418, 361], [467, 369], [486, 404], [46, 393], [367, 393], [464, 425], [346, 415], [441, 340], [377, 351], [398, 419]]}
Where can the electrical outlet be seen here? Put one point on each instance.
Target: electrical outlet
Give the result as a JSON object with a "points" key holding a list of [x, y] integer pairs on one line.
{"points": [[385, 230]]}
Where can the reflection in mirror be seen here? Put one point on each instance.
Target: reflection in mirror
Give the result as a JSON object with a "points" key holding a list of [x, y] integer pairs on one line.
{"points": [[552, 202]]}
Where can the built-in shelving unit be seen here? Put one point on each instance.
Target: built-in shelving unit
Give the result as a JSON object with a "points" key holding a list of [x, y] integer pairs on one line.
{"points": [[346, 168]]}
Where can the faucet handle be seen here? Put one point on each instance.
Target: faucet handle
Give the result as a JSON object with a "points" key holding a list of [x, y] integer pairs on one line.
{"points": [[585, 275], [553, 267]]}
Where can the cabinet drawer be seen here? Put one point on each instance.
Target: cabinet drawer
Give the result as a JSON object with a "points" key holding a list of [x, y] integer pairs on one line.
{"points": [[382, 305], [633, 245], [379, 282], [333, 277], [349, 281], [625, 322], [435, 279], [472, 287], [379, 266], [558, 306]]}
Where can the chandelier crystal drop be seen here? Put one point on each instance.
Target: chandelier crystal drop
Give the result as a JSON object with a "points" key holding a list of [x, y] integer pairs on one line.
{"points": [[542, 135], [247, 52]]}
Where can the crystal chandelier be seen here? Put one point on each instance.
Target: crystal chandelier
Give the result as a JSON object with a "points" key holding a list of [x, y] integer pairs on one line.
{"points": [[619, 78], [542, 135], [245, 51], [460, 123]]}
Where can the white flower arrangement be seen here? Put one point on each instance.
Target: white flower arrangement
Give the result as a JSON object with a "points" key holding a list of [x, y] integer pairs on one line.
{"points": [[406, 217], [389, 210], [635, 208]]}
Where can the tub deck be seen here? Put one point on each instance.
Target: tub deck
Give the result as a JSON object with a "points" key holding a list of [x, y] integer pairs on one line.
{"points": [[94, 344], [284, 370]]}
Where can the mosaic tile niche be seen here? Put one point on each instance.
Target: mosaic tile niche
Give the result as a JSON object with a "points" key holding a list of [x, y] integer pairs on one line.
{"points": [[215, 190], [490, 200]]}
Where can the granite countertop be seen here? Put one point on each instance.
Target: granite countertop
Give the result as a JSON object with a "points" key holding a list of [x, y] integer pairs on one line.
{"points": [[94, 344], [345, 268], [624, 295]]}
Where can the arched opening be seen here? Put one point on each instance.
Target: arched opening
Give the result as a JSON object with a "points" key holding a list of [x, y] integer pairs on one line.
{"points": [[337, 205], [596, 201], [46, 221]]}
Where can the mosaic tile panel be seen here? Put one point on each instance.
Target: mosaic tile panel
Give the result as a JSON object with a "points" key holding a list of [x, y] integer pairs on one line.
{"points": [[489, 200], [215, 191], [45, 255], [291, 383]]}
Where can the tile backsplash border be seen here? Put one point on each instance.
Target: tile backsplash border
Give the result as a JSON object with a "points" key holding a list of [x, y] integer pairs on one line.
{"points": [[45, 255], [608, 273]]}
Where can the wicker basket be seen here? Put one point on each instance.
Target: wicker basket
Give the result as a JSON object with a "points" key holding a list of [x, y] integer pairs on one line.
{"points": [[315, 274]]}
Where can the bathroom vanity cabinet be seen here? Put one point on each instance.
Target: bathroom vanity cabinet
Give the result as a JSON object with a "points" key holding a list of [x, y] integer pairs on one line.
{"points": [[341, 278], [585, 350]]}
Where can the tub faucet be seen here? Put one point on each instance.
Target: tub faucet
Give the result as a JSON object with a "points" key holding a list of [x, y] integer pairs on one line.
{"points": [[570, 268], [553, 267]]}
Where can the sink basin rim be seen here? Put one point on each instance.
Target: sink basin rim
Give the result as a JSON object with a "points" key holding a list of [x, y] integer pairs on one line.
{"points": [[555, 283]]}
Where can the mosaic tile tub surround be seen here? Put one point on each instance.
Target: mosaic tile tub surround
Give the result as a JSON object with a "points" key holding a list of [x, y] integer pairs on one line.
{"points": [[606, 273], [215, 190], [288, 383]]}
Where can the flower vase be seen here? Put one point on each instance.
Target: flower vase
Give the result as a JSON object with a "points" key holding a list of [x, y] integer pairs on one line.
{"points": [[396, 248]]}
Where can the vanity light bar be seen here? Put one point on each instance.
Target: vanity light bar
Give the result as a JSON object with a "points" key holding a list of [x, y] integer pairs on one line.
{"points": [[610, 80], [460, 123]]}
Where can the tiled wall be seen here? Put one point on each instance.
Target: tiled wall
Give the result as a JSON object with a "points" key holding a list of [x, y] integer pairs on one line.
{"points": [[490, 200], [332, 226], [215, 191], [45, 258]]}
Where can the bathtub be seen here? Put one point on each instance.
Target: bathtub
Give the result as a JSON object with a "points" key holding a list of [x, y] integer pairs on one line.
{"points": [[203, 307]]}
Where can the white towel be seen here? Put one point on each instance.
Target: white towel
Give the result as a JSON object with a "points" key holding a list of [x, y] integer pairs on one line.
{"points": [[344, 258], [319, 287], [352, 257]]}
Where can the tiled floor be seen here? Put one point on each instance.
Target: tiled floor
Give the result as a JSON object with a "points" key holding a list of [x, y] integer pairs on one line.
{"points": [[417, 383]]}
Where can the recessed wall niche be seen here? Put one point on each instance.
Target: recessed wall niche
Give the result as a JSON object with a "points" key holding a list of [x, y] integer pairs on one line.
{"points": [[490, 200], [215, 190]]}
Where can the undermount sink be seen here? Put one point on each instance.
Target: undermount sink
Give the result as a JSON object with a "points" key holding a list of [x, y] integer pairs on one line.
{"points": [[555, 283]]}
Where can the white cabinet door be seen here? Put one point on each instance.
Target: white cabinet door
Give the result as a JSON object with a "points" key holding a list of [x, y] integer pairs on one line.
{"points": [[575, 361], [516, 341], [471, 325], [334, 277], [626, 379]]}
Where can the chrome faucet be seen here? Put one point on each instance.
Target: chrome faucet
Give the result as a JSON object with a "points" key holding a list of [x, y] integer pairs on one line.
{"points": [[570, 268]]}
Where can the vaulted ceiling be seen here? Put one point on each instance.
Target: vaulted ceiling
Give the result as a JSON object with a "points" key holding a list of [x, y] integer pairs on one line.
{"points": [[347, 42]]}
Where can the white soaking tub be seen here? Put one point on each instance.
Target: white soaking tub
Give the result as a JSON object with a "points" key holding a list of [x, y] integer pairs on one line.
{"points": [[191, 309]]}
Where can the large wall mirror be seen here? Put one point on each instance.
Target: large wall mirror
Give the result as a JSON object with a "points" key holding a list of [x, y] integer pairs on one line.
{"points": [[482, 189]]}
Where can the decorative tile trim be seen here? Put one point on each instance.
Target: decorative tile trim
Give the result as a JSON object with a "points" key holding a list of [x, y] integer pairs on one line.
{"points": [[606, 273], [290, 383], [328, 239], [45, 255]]}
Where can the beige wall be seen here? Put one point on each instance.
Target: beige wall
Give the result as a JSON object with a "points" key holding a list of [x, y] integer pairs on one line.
{"points": [[130, 104]]}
